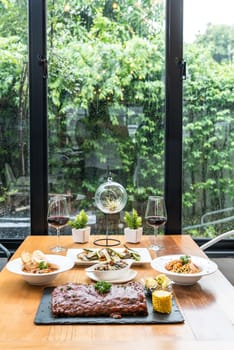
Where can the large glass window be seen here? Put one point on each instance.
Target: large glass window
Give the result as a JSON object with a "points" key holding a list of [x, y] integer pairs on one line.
{"points": [[106, 108], [14, 120], [106, 101], [208, 118]]}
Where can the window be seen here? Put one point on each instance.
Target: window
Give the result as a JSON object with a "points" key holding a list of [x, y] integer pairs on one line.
{"points": [[106, 91], [208, 123], [106, 102], [14, 121]]}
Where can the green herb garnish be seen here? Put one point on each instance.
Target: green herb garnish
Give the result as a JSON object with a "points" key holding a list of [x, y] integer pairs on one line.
{"points": [[43, 265], [102, 287], [185, 259]]}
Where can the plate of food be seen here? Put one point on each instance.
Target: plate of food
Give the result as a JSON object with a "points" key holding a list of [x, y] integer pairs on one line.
{"points": [[90, 256], [101, 303], [184, 269], [38, 268]]}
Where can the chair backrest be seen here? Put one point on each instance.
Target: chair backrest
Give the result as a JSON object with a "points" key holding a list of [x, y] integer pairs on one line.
{"points": [[216, 239]]}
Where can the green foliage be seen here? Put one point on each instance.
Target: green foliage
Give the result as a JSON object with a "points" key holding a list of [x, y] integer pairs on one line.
{"points": [[14, 19], [80, 220], [220, 39], [133, 220], [13, 103], [208, 134], [106, 61], [105, 68]]}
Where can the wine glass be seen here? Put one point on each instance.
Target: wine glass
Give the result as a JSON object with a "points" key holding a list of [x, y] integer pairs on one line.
{"points": [[58, 216], [155, 216]]}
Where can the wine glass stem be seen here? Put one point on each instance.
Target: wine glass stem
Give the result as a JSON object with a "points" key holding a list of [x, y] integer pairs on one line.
{"points": [[155, 235], [58, 237]]}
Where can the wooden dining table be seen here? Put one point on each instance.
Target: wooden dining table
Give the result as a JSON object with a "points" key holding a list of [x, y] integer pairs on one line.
{"points": [[207, 307]]}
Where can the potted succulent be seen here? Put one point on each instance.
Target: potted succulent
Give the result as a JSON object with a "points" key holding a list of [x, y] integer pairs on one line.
{"points": [[134, 230], [80, 230]]}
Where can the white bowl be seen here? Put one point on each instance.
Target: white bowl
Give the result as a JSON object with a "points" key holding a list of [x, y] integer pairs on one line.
{"points": [[206, 266], [110, 275], [63, 262]]}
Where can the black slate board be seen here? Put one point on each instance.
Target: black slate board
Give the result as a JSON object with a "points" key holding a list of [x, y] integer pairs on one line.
{"points": [[45, 317]]}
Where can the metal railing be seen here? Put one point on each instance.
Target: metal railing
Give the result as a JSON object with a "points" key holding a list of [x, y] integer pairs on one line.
{"points": [[203, 222]]}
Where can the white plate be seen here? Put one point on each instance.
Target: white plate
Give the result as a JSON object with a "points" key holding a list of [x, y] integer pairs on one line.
{"points": [[65, 263], [144, 253], [207, 267], [129, 276]]}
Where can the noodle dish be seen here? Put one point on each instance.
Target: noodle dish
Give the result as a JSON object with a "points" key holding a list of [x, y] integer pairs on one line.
{"points": [[184, 269]]}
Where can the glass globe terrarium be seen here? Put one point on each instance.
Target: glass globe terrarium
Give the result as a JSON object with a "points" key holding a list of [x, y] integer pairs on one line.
{"points": [[110, 198]]}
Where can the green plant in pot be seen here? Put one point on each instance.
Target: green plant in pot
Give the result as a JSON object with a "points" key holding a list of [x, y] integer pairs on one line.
{"points": [[80, 230], [134, 230]]}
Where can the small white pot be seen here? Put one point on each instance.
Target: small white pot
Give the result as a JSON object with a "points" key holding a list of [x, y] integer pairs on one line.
{"points": [[133, 236], [81, 235]]}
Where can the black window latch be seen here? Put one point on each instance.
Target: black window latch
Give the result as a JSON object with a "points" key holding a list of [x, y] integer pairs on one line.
{"points": [[43, 61], [182, 64]]}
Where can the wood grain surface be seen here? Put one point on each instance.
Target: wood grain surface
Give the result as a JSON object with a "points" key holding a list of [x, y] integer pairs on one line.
{"points": [[207, 307]]}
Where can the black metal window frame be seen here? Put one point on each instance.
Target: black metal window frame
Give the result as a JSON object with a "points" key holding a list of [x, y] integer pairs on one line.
{"points": [[38, 116], [173, 130]]}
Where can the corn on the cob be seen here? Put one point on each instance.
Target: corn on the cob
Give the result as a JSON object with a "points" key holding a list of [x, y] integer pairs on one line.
{"points": [[162, 301]]}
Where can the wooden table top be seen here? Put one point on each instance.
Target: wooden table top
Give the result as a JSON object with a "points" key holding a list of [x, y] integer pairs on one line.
{"points": [[207, 307]]}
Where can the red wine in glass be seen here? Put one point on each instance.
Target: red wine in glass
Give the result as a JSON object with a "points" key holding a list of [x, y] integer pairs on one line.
{"points": [[156, 221], [58, 221], [155, 216]]}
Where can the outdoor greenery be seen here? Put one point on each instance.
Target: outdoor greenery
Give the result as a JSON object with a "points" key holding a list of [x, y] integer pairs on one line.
{"points": [[208, 133], [106, 68], [106, 74]]}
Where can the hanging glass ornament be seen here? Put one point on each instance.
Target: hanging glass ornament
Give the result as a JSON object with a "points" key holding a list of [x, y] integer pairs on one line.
{"points": [[110, 198]]}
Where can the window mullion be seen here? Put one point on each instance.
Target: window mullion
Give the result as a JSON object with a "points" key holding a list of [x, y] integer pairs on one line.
{"points": [[173, 130], [38, 116]]}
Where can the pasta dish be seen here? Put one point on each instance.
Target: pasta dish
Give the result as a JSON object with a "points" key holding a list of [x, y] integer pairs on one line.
{"points": [[182, 265], [36, 263]]}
